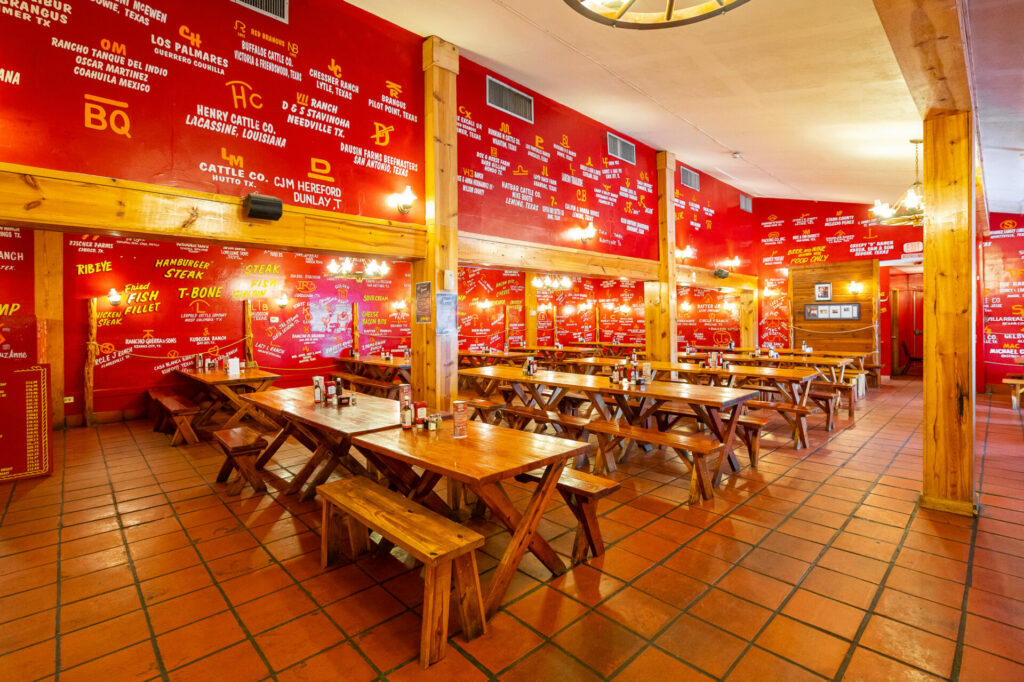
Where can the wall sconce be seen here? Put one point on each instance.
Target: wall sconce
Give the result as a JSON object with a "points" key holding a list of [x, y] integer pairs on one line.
{"points": [[733, 262], [686, 305], [485, 304], [625, 309], [399, 304], [568, 310], [856, 287], [282, 300], [404, 201], [609, 305], [586, 306], [584, 234], [730, 308], [545, 306], [113, 298], [768, 291], [551, 283], [687, 252]]}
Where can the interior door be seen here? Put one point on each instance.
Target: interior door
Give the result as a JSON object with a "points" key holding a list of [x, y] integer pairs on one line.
{"points": [[894, 332]]}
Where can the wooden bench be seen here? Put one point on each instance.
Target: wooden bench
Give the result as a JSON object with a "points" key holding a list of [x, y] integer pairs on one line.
{"points": [[154, 409], [839, 391], [1016, 385], [372, 386], [874, 372], [519, 418], [242, 447], [748, 428], [796, 415], [443, 547], [486, 410], [694, 450], [180, 411], [581, 491]]}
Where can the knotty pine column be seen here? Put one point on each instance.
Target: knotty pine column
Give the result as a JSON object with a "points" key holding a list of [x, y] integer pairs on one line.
{"points": [[748, 318], [530, 310], [435, 357], [949, 298], [49, 295], [660, 305]]}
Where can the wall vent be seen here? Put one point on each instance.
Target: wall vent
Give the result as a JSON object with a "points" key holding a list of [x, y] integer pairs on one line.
{"points": [[746, 203], [689, 178], [272, 8], [621, 149], [506, 98]]}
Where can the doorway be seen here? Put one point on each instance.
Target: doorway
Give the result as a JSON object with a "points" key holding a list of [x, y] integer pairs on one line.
{"points": [[906, 296]]}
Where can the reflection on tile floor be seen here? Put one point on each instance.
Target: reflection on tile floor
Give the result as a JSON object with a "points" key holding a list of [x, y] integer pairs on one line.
{"points": [[131, 563]]}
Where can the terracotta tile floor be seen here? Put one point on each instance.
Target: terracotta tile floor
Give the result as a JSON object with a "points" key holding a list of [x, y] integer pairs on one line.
{"points": [[130, 563]]}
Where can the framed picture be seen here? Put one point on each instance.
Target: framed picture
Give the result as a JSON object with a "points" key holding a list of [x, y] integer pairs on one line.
{"points": [[823, 291], [846, 311], [835, 311], [811, 312]]}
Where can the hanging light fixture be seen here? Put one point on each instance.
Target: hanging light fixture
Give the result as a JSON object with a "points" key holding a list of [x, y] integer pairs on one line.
{"points": [[549, 283], [909, 210], [347, 269], [651, 14]]}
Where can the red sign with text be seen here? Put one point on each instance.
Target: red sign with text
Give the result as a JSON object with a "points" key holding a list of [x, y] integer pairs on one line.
{"points": [[485, 298], [218, 98], [25, 446], [544, 180], [707, 317], [17, 297]]}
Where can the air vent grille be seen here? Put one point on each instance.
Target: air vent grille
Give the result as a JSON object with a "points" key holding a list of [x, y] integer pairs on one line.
{"points": [[689, 178], [621, 150], [746, 203], [508, 99], [272, 8]]}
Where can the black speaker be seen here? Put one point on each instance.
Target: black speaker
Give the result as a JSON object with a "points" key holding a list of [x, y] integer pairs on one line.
{"points": [[263, 207], [721, 274]]}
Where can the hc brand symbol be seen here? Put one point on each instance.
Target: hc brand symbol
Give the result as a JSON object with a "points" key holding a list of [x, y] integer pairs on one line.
{"points": [[243, 97]]}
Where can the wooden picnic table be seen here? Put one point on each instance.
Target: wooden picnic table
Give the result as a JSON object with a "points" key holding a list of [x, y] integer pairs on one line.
{"points": [[480, 358], [483, 459], [226, 391], [375, 367], [616, 350], [707, 402], [327, 430], [836, 366]]}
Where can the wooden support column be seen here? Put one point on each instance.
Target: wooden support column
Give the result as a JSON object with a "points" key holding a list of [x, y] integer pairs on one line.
{"points": [[49, 293], [434, 356], [247, 330], [949, 299], [660, 306], [748, 318], [530, 310], [88, 410]]}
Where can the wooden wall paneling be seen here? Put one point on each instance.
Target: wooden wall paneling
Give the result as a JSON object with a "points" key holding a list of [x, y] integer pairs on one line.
{"points": [[660, 296], [49, 305], [850, 335], [73, 202], [92, 346], [435, 356], [948, 481]]}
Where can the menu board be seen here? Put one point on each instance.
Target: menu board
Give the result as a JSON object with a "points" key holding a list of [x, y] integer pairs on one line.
{"points": [[17, 297], [486, 296], [621, 306], [1002, 298], [774, 327], [25, 446], [805, 232], [178, 299], [707, 317], [616, 305], [711, 227], [544, 180], [323, 111]]}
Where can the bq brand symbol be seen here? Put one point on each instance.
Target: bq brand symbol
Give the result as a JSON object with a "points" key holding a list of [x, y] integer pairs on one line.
{"points": [[102, 114], [243, 97], [382, 134]]}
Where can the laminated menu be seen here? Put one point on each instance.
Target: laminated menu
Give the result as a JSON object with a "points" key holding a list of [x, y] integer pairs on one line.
{"points": [[25, 446]]}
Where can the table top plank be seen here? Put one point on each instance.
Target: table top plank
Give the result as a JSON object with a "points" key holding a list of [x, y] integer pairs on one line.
{"points": [[712, 396], [782, 373], [369, 414], [494, 354], [486, 455], [222, 378], [397, 362]]}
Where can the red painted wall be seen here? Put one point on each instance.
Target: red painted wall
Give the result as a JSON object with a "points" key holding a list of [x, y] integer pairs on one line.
{"points": [[220, 98], [180, 298], [485, 297], [17, 297], [539, 181], [710, 222]]}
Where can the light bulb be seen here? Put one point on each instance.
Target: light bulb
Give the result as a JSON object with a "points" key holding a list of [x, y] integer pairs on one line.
{"points": [[566, 283], [912, 200], [113, 298], [282, 300], [333, 267]]}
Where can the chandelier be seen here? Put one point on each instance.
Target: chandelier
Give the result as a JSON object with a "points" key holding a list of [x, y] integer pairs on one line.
{"points": [[639, 15], [909, 210]]}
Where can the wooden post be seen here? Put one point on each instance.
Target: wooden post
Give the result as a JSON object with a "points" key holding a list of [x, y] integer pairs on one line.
{"points": [[247, 330], [504, 311], [660, 297], [90, 363], [554, 323], [49, 293], [355, 329], [748, 318], [948, 482], [434, 356], [597, 324], [530, 311]]}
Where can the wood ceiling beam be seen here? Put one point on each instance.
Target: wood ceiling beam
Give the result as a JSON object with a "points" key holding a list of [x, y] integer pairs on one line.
{"points": [[927, 40]]}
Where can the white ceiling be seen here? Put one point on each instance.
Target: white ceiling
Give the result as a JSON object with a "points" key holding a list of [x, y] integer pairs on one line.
{"points": [[807, 90], [997, 77]]}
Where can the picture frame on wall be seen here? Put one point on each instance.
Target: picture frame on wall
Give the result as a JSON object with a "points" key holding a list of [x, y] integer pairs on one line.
{"points": [[823, 291], [835, 312], [811, 312]]}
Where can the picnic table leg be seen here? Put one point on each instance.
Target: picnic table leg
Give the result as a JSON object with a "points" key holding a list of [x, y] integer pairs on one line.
{"points": [[524, 532], [728, 437], [275, 444]]}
